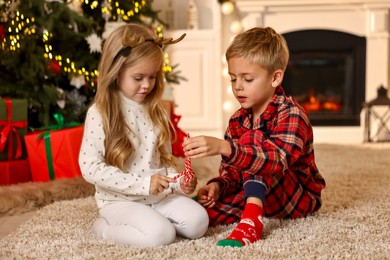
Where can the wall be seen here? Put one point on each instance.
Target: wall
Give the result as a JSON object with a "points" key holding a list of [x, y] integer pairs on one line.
{"points": [[198, 98], [367, 18], [205, 102]]}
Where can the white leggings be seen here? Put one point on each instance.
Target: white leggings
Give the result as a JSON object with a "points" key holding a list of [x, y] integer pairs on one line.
{"points": [[143, 225]]}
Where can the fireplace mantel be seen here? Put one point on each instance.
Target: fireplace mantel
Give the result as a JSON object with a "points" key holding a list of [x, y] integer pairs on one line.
{"points": [[261, 5], [365, 18]]}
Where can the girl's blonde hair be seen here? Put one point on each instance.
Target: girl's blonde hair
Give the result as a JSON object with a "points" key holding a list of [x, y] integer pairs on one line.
{"points": [[118, 147], [263, 46]]}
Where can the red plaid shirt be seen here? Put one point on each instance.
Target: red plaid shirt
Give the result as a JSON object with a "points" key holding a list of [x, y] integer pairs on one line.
{"points": [[277, 150]]}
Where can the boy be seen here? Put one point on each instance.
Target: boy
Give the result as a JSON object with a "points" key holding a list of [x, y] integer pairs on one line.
{"points": [[268, 166]]}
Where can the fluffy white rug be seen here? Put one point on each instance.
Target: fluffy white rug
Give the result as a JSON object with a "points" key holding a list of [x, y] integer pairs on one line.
{"points": [[30, 196], [352, 224]]}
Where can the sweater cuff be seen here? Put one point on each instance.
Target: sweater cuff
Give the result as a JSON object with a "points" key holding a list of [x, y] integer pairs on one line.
{"points": [[146, 186]]}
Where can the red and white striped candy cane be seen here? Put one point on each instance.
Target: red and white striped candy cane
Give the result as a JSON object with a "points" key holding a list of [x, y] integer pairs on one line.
{"points": [[188, 173]]}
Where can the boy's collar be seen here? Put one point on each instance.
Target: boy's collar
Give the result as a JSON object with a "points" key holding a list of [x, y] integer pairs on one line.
{"points": [[275, 101]]}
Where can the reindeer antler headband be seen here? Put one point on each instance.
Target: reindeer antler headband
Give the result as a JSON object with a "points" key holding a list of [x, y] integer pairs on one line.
{"points": [[131, 41]]}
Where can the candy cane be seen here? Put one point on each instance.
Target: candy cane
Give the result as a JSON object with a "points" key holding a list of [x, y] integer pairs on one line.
{"points": [[188, 173]]}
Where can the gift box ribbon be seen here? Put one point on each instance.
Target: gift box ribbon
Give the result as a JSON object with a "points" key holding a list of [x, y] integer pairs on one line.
{"points": [[8, 132], [59, 118]]}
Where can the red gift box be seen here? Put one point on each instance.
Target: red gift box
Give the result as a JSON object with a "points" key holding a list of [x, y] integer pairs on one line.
{"points": [[54, 154], [15, 171], [13, 126]]}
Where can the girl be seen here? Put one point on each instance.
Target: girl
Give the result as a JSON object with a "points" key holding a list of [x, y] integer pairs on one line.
{"points": [[125, 148]]}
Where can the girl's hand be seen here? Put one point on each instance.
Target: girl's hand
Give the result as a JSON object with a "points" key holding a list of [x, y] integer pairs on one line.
{"points": [[209, 194], [188, 187], [202, 146], [159, 183]]}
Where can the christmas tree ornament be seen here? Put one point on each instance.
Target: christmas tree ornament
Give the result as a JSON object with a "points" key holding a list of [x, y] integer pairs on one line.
{"points": [[76, 101], [95, 43], [77, 81], [2, 33], [54, 67]]}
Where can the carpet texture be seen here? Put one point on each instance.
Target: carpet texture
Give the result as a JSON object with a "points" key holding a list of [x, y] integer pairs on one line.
{"points": [[352, 224]]}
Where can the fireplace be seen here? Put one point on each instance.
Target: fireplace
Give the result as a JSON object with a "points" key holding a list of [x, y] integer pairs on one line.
{"points": [[352, 59], [326, 75]]}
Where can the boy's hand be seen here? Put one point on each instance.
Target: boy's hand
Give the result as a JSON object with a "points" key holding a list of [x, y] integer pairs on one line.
{"points": [[209, 194], [202, 146], [159, 183], [188, 187]]}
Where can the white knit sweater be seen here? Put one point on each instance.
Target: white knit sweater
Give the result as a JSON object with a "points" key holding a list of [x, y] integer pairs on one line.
{"points": [[111, 183]]}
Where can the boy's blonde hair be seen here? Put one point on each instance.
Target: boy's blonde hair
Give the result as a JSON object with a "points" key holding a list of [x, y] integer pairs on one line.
{"points": [[263, 46], [118, 147]]}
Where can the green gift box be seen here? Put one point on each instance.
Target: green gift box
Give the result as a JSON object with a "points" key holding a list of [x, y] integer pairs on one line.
{"points": [[13, 128]]}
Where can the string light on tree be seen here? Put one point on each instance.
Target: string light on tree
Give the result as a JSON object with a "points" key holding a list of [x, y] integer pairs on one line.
{"points": [[69, 65], [21, 25], [61, 41], [18, 27], [114, 10]]}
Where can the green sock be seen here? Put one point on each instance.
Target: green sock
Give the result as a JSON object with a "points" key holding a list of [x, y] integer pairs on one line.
{"points": [[229, 242]]}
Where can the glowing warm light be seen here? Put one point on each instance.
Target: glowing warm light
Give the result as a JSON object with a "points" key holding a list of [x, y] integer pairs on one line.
{"points": [[227, 8], [223, 59], [225, 72], [236, 27], [21, 26], [228, 106], [229, 91]]}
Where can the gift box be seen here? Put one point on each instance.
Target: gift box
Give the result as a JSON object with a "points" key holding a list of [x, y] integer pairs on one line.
{"points": [[54, 154], [14, 171], [13, 127]]}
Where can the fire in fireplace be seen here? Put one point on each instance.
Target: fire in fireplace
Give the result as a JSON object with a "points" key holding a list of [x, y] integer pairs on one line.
{"points": [[326, 74]]}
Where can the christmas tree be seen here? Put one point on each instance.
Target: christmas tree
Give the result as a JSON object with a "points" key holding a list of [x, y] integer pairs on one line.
{"points": [[50, 50]]}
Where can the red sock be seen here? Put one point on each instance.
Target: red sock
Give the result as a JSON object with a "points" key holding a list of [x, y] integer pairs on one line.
{"points": [[248, 230]]}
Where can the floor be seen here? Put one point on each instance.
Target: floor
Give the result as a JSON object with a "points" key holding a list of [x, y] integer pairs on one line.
{"points": [[9, 224]]}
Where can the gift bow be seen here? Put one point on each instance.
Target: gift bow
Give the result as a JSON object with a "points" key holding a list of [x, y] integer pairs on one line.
{"points": [[46, 137], [6, 132], [59, 118]]}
